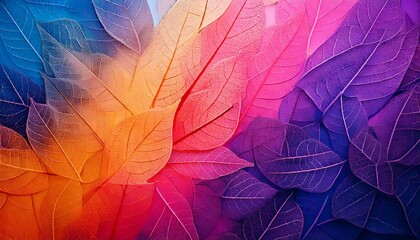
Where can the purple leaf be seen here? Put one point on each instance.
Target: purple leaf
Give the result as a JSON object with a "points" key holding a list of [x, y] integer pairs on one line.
{"points": [[243, 194], [353, 200], [368, 208], [397, 126], [290, 159], [297, 108], [206, 210], [407, 190], [280, 218], [344, 121], [366, 58], [367, 158], [413, 72]]}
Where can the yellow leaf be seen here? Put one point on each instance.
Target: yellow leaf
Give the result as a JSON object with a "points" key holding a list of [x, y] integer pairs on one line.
{"points": [[140, 146]]}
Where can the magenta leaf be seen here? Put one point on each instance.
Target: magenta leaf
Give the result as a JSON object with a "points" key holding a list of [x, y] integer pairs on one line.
{"points": [[291, 159], [209, 164], [280, 218]]}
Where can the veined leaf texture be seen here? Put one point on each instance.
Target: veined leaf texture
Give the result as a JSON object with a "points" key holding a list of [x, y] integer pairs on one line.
{"points": [[209, 119]]}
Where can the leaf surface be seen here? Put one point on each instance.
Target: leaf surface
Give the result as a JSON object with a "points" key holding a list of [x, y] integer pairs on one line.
{"points": [[171, 216], [16, 89], [128, 21], [371, 77], [242, 194], [290, 159], [207, 164], [140, 146], [280, 218], [397, 127], [115, 211], [20, 48], [302, 26]]}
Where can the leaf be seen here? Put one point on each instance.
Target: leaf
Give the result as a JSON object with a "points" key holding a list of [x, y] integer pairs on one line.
{"points": [[15, 91], [115, 211], [21, 172], [280, 218], [242, 194], [297, 108], [214, 9], [84, 13], [353, 200], [371, 76], [18, 211], [344, 121], [164, 6], [290, 159], [61, 205], [206, 210], [368, 161], [95, 73], [159, 72], [140, 146], [207, 164], [316, 209], [16, 153], [171, 216], [302, 26], [397, 127], [130, 22], [63, 142], [368, 209], [209, 115], [413, 72], [20, 48], [407, 185]]}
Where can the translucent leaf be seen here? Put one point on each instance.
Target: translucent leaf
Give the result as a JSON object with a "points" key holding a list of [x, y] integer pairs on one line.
{"points": [[15, 91], [207, 164], [280, 218], [20, 48], [383, 55], [140, 146], [290, 159], [128, 21]]}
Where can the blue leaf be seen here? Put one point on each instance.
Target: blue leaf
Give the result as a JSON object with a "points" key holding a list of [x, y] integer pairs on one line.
{"points": [[20, 43], [15, 92], [280, 218], [128, 21]]}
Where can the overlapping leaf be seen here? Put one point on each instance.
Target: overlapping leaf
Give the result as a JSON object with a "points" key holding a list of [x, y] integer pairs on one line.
{"points": [[140, 146], [243, 194], [302, 26], [15, 91], [371, 76], [397, 126], [281, 218], [290, 159], [130, 22], [20, 48], [207, 164]]}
